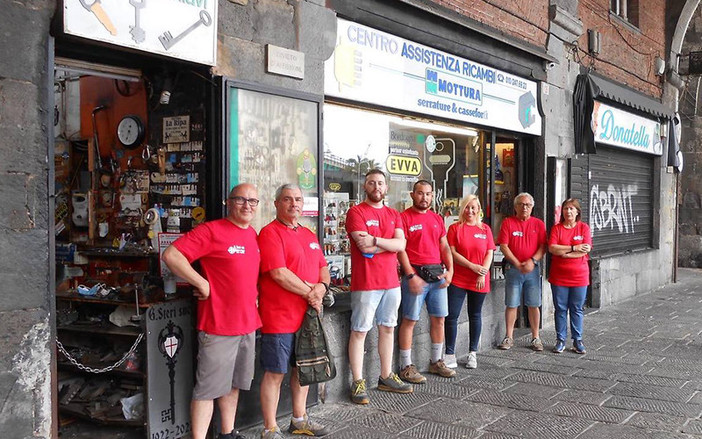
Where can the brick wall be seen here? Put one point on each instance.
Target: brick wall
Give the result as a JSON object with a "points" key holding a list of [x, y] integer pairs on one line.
{"points": [[627, 54], [527, 21]]}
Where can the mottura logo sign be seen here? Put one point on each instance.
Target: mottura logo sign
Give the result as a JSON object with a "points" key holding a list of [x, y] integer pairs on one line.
{"points": [[403, 165]]}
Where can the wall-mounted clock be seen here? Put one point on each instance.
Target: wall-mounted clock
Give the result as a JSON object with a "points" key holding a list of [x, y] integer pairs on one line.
{"points": [[131, 131]]}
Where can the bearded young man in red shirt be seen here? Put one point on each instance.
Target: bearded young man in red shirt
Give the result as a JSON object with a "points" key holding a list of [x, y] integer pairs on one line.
{"points": [[376, 237]]}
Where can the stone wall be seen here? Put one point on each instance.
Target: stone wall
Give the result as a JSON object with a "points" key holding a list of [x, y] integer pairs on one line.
{"points": [[690, 222], [25, 379]]}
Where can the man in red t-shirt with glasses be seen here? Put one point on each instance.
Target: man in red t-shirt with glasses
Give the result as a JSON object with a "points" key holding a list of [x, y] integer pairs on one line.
{"points": [[227, 317], [294, 275]]}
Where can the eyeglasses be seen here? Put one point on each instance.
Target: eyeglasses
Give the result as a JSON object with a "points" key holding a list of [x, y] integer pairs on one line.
{"points": [[525, 205], [239, 201]]}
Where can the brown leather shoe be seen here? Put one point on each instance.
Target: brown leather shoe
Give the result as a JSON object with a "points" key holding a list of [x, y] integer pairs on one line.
{"points": [[412, 375], [439, 368]]}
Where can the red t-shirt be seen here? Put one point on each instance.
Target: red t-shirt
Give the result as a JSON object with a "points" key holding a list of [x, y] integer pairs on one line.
{"points": [[298, 250], [380, 271], [566, 272], [522, 237], [229, 258], [473, 243], [423, 232]]}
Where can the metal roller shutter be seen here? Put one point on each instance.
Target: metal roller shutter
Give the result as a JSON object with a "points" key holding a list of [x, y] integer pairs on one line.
{"points": [[579, 184], [620, 211]]}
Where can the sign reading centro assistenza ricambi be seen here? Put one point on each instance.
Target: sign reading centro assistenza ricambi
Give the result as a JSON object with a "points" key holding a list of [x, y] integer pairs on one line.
{"points": [[372, 66]]}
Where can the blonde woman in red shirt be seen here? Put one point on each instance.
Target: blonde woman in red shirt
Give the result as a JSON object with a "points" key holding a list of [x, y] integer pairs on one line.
{"points": [[569, 244], [472, 247]]}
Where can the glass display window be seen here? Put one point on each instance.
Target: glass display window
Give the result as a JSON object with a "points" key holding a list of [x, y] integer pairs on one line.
{"points": [[274, 140], [456, 159]]}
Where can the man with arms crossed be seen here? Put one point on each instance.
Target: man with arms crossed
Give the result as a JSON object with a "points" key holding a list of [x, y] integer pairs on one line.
{"points": [[377, 236], [294, 274], [227, 317], [426, 245], [522, 240]]}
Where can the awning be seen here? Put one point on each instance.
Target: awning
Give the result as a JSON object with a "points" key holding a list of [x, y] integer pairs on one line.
{"points": [[631, 98], [588, 88]]}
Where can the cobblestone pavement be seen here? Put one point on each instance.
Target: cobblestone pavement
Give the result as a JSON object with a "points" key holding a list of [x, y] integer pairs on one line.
{"points": [[641, 378]]}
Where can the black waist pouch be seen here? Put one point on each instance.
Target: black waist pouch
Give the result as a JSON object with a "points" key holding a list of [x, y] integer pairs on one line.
{"points": [[430, 273]]}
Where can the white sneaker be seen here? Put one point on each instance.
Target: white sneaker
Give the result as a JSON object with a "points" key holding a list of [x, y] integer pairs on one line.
{"points": [[472, 361], [450, 361]]}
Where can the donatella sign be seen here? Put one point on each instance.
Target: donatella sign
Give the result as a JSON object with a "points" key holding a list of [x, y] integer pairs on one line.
{"points": [[376, 67], [616, 127]]}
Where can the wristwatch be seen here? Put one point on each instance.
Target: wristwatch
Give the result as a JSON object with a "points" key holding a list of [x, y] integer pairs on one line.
{"points": [[534, 261], [410, 276]]}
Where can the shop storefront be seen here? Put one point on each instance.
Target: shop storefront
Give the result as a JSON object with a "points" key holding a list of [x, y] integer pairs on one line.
{"points": [[618, 173], [132, 130], [417, 112]]}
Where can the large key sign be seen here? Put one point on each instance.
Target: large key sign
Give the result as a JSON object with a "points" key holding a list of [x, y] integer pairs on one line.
{"points": [[179, 29]]}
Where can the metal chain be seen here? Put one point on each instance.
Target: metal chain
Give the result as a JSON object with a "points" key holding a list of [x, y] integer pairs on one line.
{"points": [[104, 369]]}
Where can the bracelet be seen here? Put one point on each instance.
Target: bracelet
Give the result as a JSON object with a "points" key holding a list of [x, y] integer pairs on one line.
{"points": [[375, 240], [572, 248], [326, 286]]}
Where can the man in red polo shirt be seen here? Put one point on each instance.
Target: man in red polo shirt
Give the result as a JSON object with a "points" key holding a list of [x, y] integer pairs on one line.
{"points": [[294, 275], [227, 318], [522, 240], [376, 237]]}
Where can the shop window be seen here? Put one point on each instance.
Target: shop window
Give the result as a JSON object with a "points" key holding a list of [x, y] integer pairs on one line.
{"points": [[273, 140], [627, 10], [453, 158]]}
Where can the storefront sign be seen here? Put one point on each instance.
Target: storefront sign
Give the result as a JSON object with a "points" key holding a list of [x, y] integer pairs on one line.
{"points": [[285, 62], [169, 346], [310, 206], [379, 68], [403, 165], [176, 129], [164, 240], [182, 29], [616, 127]]}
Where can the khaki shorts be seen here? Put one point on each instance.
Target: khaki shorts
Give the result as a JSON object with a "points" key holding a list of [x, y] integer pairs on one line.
{"points": [[224, 362]]}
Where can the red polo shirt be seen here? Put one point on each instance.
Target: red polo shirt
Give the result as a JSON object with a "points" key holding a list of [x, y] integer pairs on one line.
{"points": [[423, 232], [298, 250], [380, 271], [522, 237], [229, 258]]}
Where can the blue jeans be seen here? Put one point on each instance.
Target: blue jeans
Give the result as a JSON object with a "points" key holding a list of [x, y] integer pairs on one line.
{"points": [[432, 295], [567, 299], [456, 295]]}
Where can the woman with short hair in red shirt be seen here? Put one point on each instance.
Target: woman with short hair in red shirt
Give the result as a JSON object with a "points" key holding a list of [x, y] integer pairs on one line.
{"points": [[570, 243]]}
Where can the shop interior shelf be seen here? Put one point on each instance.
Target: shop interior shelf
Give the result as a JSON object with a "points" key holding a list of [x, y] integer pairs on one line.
{"points": [[78, 411], [73, 296], [115, 253], [135, 374], [105, 328]]}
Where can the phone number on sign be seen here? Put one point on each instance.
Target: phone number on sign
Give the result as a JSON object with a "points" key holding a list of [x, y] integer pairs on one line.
{"points": [[172, 433]]}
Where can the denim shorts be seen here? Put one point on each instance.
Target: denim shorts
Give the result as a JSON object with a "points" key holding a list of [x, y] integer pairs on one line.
{"points": [[277, 352], [517, 284], [436, 299], [378, 305]]}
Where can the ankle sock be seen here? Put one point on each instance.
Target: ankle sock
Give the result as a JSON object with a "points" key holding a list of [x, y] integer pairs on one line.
{"points": [[436, 352], [405, 358]]}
